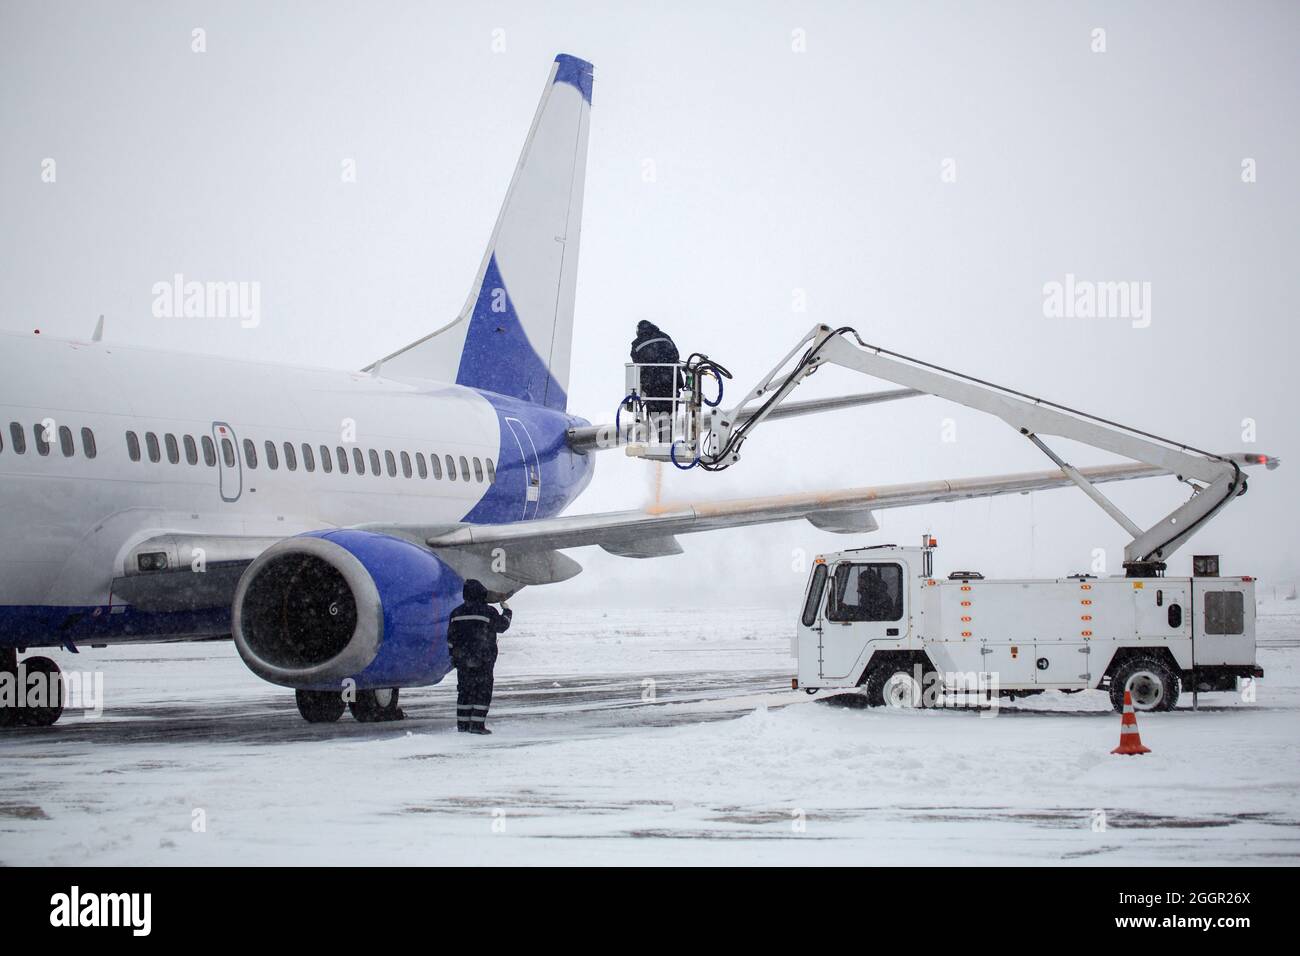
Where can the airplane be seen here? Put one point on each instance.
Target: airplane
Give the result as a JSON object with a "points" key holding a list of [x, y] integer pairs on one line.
{"points": [[327, 519]]}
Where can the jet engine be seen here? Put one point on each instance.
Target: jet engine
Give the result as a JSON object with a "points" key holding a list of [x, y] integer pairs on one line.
{"points": [[315, 610]]}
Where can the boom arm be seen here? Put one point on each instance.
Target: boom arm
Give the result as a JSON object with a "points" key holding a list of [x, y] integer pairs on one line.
{"points": [[1221, 477]]}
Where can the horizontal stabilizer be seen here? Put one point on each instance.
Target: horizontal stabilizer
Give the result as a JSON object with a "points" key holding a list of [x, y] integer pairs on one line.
{"points": [[599, 437]]}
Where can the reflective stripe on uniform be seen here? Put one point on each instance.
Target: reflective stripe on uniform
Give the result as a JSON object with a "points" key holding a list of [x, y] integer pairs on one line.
{"points": [[478, 719], [469, 617], [649, 342]]}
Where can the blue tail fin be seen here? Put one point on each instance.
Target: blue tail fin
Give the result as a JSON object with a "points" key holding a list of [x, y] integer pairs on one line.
{"points": [[516, 330]]}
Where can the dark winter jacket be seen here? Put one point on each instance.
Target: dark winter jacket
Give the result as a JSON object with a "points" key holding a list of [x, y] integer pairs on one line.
{"points": [[652, 345], [473, 629]]}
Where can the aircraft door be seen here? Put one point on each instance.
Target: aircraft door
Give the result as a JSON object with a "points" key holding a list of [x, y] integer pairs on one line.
{"points": [[532, 469], [230, 476]]}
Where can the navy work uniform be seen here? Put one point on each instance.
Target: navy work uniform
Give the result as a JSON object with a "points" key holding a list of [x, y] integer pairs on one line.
{"points": [[654, 346], [472, 639]]}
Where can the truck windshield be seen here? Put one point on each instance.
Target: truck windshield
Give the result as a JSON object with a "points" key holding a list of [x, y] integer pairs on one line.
{"points": [[867, 592]]}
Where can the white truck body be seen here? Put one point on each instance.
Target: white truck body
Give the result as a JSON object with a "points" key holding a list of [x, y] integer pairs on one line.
{"points": [[867, 607]]}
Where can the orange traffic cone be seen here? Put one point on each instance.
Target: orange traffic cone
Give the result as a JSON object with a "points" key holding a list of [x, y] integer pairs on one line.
{"points": [[1130, 741]]}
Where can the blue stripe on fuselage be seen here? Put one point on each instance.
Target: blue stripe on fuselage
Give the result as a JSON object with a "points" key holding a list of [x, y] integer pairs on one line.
{"points": [[43, 625]]}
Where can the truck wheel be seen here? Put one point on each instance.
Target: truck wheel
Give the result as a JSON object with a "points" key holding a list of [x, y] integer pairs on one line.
{"points": [[1153, 685], [893, 685]]}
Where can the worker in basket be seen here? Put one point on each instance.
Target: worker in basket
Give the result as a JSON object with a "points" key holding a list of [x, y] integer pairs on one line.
{"points": [[655, 347]]}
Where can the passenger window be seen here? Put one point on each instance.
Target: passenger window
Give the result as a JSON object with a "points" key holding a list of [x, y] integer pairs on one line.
{"points": [[326, 461], [814, 599], [272, 456], [375, 468], [132, 446], [209, 452], [343, 459], [492, 472], [478, 470], [308, 459], [66, 444], [392, 464], [228, 452], [420, 465], [451, 468], [191, 450], [359, 460], [20, 440], [88, 443], [42, 443], [406, 465], [464, 469], [173, 449], [867, 592], [1175, 615], [436, 465], [151, 443], [250, 453], [290, 457], [1225, 612]]}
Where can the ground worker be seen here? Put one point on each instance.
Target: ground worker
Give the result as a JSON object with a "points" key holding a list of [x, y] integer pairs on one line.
{"points": [[472, 639]]}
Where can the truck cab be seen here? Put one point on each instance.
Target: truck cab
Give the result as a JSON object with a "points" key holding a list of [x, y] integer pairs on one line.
{"points": [[858, 603]]}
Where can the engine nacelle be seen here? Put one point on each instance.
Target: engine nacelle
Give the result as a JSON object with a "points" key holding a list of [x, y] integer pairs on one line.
{"points": [[314, 610]]}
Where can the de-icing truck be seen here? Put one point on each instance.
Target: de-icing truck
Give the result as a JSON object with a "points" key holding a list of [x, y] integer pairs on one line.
{"points": [[879, 619]]}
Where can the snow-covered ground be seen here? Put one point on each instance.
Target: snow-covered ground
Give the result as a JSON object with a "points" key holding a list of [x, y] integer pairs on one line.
{"points": [[646, 737]]}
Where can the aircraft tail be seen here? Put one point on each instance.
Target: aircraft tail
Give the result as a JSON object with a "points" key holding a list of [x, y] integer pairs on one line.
{"points": [[515, 332]]}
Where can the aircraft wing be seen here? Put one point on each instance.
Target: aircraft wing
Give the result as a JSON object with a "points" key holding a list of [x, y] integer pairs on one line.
{"points": [[159, 572], [652, 532]]}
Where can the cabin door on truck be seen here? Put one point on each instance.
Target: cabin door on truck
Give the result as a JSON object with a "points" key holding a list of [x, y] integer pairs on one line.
{"points": [[865, 609]]}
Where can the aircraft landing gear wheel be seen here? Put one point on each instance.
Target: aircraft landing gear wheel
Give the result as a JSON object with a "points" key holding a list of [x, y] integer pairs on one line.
{"points": [[8, 673], [320, 706], [894, 685], [1153, 685], [52, 686], [376, 706]]}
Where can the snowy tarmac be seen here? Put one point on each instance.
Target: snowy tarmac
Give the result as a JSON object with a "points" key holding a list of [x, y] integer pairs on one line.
{"points": [[646, 737]]}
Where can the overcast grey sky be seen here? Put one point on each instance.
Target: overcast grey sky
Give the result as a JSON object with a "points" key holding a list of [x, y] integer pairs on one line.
{"points": [[798, 150]]}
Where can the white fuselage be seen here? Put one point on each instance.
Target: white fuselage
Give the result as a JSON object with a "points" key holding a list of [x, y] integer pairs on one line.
{"points": [[68, 520]]}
